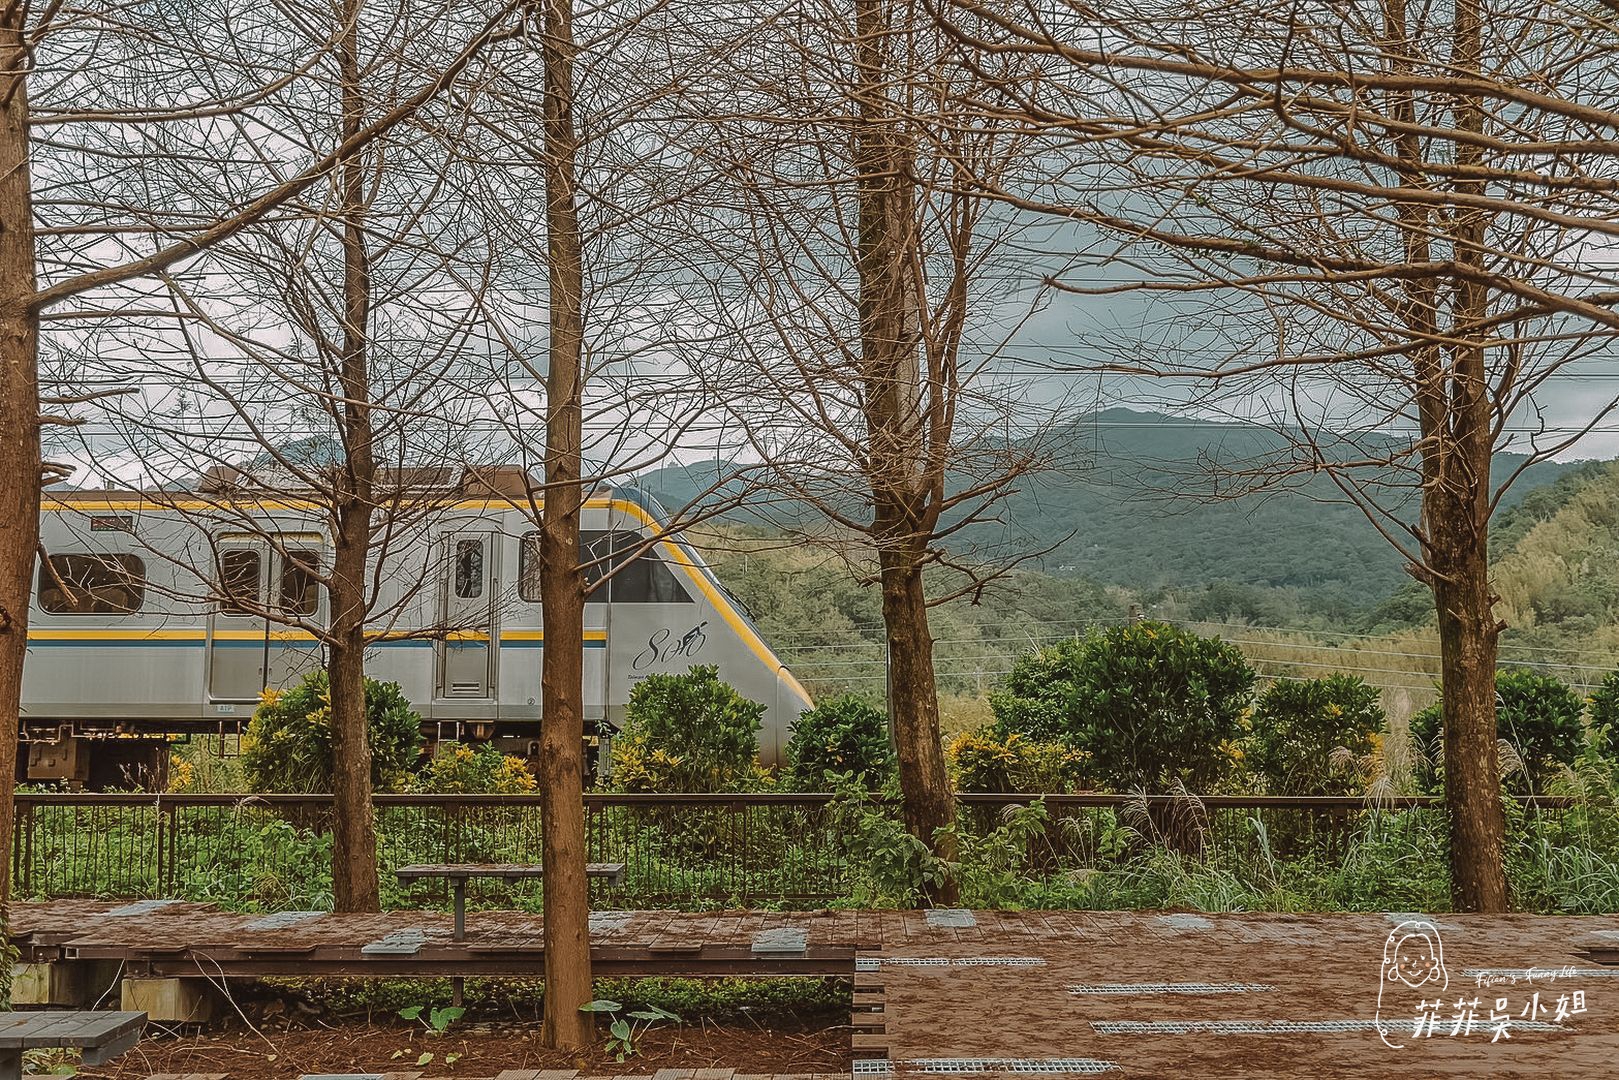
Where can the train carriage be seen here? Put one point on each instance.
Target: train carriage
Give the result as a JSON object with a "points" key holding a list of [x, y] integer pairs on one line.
{"points": [[150, 618]]}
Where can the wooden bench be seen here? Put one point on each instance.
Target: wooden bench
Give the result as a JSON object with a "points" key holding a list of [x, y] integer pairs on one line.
{"points": [[458, 874], [100, 1036]]}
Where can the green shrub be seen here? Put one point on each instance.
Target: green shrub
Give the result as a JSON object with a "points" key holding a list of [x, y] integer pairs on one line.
{"points": [[989, 760], [1314, 736], [1539, 716], [457, 769], [1604, 710], [844, 737], [1151, 705], [688, 732], [1037, 698], [288, 744]]}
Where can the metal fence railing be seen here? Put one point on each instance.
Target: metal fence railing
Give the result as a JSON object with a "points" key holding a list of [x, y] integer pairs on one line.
{"points": [[754, 849]]}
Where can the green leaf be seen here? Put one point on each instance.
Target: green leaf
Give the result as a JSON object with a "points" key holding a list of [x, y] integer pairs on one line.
{"points": [[600, 1005], [424, 1059], [652, 1012], [451, 1059], [411, 1012], [64, 1069], [621, 1028]]}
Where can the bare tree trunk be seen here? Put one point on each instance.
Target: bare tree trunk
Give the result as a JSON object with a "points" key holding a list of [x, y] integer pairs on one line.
{"points": [[354, 837], [1457, 512], [1467, 647], [904, 467], [19, 409], [562, 582], [914, 704]]}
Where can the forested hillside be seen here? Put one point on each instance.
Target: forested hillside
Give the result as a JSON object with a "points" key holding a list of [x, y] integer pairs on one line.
{"points": [[1557, 570], [1135, 500]]}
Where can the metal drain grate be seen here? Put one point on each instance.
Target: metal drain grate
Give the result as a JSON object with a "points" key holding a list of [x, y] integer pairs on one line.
{"points": [[140, 907], [950, 918], [283, 919], [1279, 1027], [1171, 988], [866, 963], [872, 1067], [949, 961], [1083, 1066], [607, 922]]}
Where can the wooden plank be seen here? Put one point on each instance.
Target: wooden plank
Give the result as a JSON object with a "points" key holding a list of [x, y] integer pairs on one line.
{"points": [[868, 1021], [105, 1052], [78, 1029]]}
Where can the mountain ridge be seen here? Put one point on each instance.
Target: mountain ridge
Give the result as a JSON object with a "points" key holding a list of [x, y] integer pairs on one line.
{"points": [[1137, 504]]}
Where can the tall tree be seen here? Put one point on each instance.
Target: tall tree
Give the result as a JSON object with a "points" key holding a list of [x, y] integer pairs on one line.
{"points": [[1382, 219], [273, 344], [354, 833], [562, 584], [72, 83], [857, 266]]}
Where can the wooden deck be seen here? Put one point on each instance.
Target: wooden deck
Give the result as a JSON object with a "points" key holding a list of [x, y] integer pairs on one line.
{"points": [[1132, 994], [1147, 994], [156, 939]]}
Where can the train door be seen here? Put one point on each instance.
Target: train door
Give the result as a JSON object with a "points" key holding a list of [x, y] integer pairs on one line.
{"points": [[466, 653], [247, 649]]}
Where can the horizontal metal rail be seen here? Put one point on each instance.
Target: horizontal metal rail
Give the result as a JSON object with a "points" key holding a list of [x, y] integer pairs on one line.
{"points": [[1305, 803], [272, 852]]}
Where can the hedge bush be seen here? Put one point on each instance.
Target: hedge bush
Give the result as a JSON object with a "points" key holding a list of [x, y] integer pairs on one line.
{"points": [[288, 744], [1539, 716], [459, 769], [841, 741], [995, 761], [690, 732], [1150, 704], [1314, 736]]}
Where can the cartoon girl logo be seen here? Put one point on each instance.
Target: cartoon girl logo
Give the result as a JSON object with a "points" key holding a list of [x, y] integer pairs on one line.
{"points": [[1413, 956]]}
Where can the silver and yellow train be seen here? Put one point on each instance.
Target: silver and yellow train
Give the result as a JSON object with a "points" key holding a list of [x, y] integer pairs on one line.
{"points": [[151, 619]]}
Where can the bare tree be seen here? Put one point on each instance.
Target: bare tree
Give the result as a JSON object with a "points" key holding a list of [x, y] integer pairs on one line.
{"points": [[75, 80], [1386, 220], [627, 371], [856, 265]]}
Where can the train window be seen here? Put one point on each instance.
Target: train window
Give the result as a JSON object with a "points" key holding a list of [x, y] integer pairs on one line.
{"points": [[300, 582], [468, 569], [646, 578], [528, 568], [596, 553], [92, 585], [239, 581]]}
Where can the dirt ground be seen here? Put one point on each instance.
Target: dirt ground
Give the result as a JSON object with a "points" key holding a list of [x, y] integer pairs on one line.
{"points": [[479, 1050]]}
